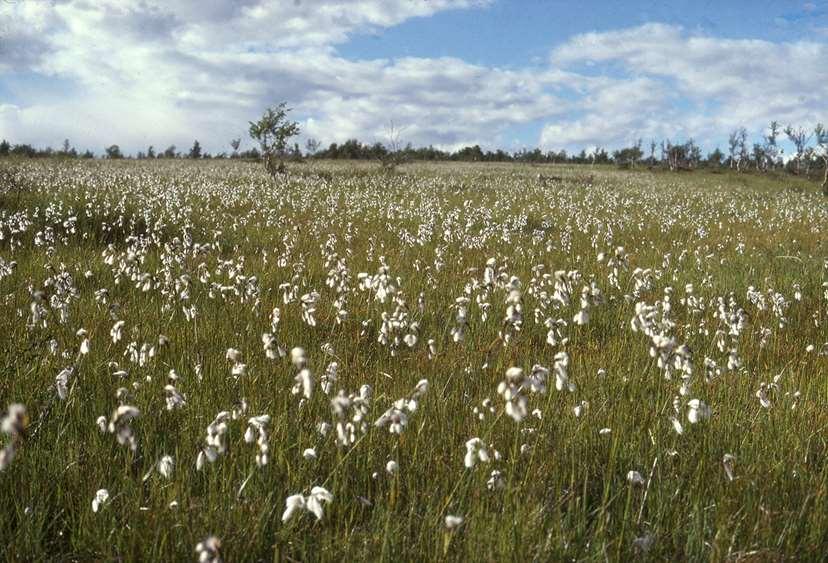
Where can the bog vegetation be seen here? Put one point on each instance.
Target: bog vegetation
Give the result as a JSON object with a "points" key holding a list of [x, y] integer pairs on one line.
{"points": [[451, 361]]}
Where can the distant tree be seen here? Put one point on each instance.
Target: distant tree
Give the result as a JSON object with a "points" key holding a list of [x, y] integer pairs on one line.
{"points": [[693, 153], [150, 152], [113, 152], [676, 156], [252, 154], [732, 147], [195, 152], [473, 154], [296, 153], [272, 132], [628, 157], [599, 155], [716, 157], [737, 145], [235, 144], [169, 152], [652, 158], [67, 150], [311, 146], [5, 148], [88, 154], [800, 138], [140, 155], [821, 134], [759, 156], [394, 155], [771, 147], [24, 150]]}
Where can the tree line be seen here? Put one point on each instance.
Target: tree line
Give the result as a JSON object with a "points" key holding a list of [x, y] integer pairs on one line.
{"points": [[765, 154]]}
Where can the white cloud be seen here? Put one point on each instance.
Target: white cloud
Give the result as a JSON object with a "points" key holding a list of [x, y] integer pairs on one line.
{"points": [[153, 72], [171, 72], [690, 85]]}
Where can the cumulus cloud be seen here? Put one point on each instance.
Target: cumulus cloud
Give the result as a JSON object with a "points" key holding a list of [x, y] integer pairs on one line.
{"points": [[153, 72], [677, 83], [176, 71]]}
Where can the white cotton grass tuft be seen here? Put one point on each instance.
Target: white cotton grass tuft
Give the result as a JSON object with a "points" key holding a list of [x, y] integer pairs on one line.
{"points": [[512, 391], [165, 466], [304, 383], [496, 481], [257, 430], [209, 550], [120, 425], [100, 499], [116, 332], [643, 543], [298, 357], [396, 417], [635, 479], [453, 522], [475, 451], [13, 425], [216, 443], [295, 504], [728, 462], [62, 382], [697, 411], [677, 426]]}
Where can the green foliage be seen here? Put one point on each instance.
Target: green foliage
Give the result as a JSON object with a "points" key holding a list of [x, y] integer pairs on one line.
{"points": [[272, 132], [629, 156], [113, 152], [195, 151], [716, 157]]}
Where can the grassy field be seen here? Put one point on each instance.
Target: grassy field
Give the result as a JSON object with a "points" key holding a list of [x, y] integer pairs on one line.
{"points": [[670, 400]]}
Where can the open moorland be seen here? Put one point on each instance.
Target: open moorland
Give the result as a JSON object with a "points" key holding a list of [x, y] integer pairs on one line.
{"points": [[498, 362]]}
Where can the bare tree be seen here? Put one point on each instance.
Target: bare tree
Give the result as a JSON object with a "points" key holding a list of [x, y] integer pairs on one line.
{"points": [[311, 146], [800, 138], [733, 147], [737, 146], [235, 144], [672, 154], [770, 147], [759, 157], [394, 155], [821, 134]]}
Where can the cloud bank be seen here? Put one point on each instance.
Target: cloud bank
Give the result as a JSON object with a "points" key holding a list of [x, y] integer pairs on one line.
{"points": [[150, 72]]}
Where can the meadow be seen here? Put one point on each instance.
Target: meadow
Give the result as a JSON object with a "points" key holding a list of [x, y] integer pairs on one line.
{"points": [[447, 362]]}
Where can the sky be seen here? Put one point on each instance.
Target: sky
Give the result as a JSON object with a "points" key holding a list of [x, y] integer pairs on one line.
{"points": [[507, 74]]}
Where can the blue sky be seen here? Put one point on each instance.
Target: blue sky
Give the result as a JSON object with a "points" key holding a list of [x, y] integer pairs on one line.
{"points": [[508, 74], [517, 33]]}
